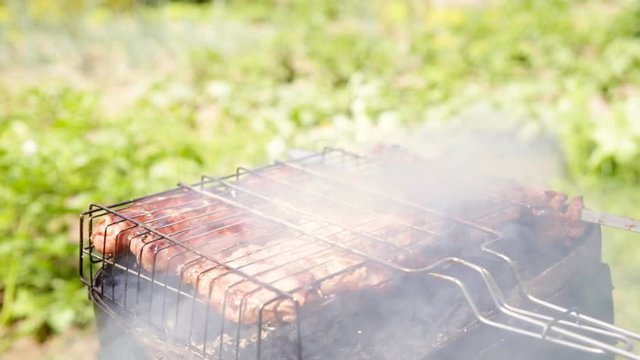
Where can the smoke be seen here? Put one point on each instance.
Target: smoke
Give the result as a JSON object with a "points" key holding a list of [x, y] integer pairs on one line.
{"points": [[341, 230], [480, 149]]}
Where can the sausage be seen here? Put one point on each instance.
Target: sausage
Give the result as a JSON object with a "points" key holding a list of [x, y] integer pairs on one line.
{"points": [[182, 213], [110, 235]]}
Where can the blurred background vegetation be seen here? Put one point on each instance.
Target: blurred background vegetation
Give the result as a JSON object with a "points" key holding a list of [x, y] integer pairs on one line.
{"points": [[102, 101]]}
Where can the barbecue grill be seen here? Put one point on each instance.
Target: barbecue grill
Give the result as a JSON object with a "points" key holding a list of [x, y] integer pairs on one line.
{"points": [[329, 256]]}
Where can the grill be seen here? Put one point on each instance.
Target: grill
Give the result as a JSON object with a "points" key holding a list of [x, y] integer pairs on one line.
{"points": [[330, 256]]}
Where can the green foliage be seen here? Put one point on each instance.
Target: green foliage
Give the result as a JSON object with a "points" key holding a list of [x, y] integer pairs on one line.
{"points": [[255, 77]]}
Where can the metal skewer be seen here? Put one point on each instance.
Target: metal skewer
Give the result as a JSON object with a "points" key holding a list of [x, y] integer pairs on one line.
{"points": [[614, 221]]}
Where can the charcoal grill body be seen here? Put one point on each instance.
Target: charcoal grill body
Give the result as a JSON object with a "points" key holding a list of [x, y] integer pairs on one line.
{"points": [[579, 281]]}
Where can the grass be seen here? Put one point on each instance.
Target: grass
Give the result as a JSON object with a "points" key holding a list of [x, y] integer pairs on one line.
{"points": [[118, 103]]}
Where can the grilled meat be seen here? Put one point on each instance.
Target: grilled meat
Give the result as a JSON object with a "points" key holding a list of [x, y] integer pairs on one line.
{"points": [[183, 216], [110, 235], [551, 212], [249, 268], [270, 281]]}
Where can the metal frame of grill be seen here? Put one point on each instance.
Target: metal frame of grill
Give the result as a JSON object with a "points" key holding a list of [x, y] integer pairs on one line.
{"points": [[553, 323]]}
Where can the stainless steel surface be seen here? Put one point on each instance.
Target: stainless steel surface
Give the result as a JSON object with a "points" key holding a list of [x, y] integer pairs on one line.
{"points": [[614, 221]]}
